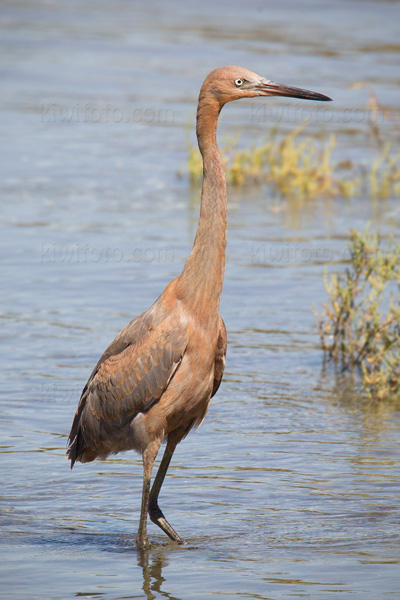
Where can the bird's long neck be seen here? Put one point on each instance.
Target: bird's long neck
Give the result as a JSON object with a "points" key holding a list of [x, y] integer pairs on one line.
{"points": [[203, 275]]}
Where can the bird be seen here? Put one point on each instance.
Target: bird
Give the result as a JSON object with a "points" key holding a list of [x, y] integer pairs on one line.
{"points": [[154, 382]]}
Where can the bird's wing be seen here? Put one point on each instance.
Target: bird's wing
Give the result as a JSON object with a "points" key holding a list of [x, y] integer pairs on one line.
{"points": [[129, 378], [220, 356]]}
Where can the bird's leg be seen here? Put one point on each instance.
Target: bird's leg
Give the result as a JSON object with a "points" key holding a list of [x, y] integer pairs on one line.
{"points": [[149, 456], [156, 514]]}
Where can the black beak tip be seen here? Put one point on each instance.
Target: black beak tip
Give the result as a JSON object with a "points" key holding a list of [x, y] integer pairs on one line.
{"points": [[316, 96]]}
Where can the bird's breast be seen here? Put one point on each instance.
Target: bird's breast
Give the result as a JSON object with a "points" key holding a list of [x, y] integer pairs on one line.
{"points": [[184, 403]]}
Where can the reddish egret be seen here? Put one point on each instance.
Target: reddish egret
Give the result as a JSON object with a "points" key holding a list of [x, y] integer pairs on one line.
{"points": [[154, 382]]}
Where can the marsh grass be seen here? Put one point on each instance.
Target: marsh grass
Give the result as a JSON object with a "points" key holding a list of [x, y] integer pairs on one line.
{"points": [[360, 323], [384, 175], [298, 166]]}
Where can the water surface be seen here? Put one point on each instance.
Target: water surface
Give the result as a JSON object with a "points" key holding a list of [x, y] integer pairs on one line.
{"points": [[290, 489]]}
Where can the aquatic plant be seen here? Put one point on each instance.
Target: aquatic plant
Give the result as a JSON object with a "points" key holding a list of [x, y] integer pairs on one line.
{"points": [[303, 168], [292, 166], [384, 175], [360, 323]]}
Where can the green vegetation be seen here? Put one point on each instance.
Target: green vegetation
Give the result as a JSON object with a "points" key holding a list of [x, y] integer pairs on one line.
{"points": [[297, 166], [384, 175], [360, 323]]}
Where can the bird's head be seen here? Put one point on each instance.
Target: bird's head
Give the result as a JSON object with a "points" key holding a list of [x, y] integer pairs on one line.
{"points": [[232, 83]]}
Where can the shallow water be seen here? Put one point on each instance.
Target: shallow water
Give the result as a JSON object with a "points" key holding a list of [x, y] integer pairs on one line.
{"points": [[291, 486]]}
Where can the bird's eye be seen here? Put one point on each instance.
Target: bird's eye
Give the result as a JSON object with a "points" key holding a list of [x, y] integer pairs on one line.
{"points": [[238, 82]]}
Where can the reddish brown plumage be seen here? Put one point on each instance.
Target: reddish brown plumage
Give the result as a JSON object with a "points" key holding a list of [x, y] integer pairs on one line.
{"points": [[155, 380]]}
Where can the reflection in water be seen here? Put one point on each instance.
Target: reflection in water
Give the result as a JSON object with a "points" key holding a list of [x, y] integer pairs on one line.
{"points": [[152, 562], [343, 390]]}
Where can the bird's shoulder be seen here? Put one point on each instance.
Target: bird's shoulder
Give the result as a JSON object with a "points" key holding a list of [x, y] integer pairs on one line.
{"points": [[159, 326], [137, 366]]}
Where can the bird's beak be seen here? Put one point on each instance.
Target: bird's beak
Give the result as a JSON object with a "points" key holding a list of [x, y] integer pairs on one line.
{"points": [[270, 88]]}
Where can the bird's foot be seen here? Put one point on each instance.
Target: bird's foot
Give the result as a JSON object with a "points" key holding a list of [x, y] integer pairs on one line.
{"points": [[157, 517]]}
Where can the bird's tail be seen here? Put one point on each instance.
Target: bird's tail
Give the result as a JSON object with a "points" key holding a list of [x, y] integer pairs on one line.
{"points": [[76, 442], [71, 453]]}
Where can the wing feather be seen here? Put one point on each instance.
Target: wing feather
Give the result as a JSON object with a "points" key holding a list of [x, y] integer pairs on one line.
{"points": [[220, 356], [129, 378]]}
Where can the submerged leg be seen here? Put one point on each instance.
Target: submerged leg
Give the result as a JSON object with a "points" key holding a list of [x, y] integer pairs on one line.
{"points": [[156, 514], [149, 456]]}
